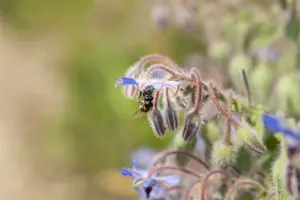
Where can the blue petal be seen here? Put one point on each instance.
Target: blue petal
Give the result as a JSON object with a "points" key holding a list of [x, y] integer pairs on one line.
{"points": [[272, 123], [158, 190], [141, 171], [141, 191], [126, 81], [149, 183], [126, 172], [171, 180]]}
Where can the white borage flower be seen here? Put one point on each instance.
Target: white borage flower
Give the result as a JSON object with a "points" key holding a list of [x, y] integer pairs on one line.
{"points": [[141, 83]]}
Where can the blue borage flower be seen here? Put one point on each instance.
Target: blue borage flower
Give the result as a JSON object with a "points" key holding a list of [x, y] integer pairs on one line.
{"points": [[276, 124], [148, 187], [157, 84]]}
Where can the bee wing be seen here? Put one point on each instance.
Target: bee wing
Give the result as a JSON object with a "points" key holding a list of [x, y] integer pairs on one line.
{"points": [[137, 114]]}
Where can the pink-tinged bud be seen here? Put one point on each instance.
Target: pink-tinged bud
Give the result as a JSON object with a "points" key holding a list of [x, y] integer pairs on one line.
{"points": [[292, 178], [192, 125], [157, 122], [171, 118]]}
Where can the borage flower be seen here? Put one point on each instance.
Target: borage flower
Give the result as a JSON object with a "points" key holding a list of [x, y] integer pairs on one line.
{"points": [[149, 186], [292, 136], [277, 124], [157, 84]]}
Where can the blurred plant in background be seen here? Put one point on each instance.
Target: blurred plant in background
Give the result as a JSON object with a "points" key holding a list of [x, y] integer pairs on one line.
{"points": [[60, 58]]}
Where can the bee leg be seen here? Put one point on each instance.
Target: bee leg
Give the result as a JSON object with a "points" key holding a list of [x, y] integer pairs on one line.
{"points": [[139, 97]]}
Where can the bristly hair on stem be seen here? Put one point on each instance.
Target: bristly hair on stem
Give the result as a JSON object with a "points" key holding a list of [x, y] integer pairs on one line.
{"points": [[220, 108], [246, 82], [264, 177], [198, 81], [156, 100], [175, 152], [156, 58], [178, 169], [161, 67], [206, 178], [242, 183], [228, 127]]}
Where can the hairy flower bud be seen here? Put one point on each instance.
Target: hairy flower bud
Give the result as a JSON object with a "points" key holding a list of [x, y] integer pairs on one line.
{"points": [[222, 154], [171, 118], [157, 122], [248, 137], [292, 180], [192, 125], [293, 153]]}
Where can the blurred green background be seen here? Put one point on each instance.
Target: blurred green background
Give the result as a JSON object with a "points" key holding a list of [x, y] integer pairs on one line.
{"points": [[68, 129], [92, 131]]}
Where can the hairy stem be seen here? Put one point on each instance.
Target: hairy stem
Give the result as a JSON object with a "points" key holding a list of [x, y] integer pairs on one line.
{"points": [[156, 58], [212, 180], [240, 183], [246, 82], [228, 128], [179, 169], [199, 89], [161, 67], [175, 152], [156, 100], [206, 178], [220, 108]]}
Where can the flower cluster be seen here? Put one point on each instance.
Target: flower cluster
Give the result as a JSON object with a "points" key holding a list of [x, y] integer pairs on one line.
{"points": [[165, 92]]}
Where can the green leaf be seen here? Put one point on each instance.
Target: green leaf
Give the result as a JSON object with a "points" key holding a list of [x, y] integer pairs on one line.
{"points": [[292, 29]]}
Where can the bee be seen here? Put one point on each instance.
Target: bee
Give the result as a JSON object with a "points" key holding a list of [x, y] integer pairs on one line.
{"points": [[146, 104]]}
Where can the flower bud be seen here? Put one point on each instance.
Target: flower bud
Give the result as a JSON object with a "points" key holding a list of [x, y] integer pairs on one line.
{"points": [[192, 125], [157, 122], [222, 154], [293, 153], [292, 180], [171, 118], [248, 137]]}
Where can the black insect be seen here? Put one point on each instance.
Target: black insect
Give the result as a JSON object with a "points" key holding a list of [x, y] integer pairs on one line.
{"points": [[146, 104]]}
